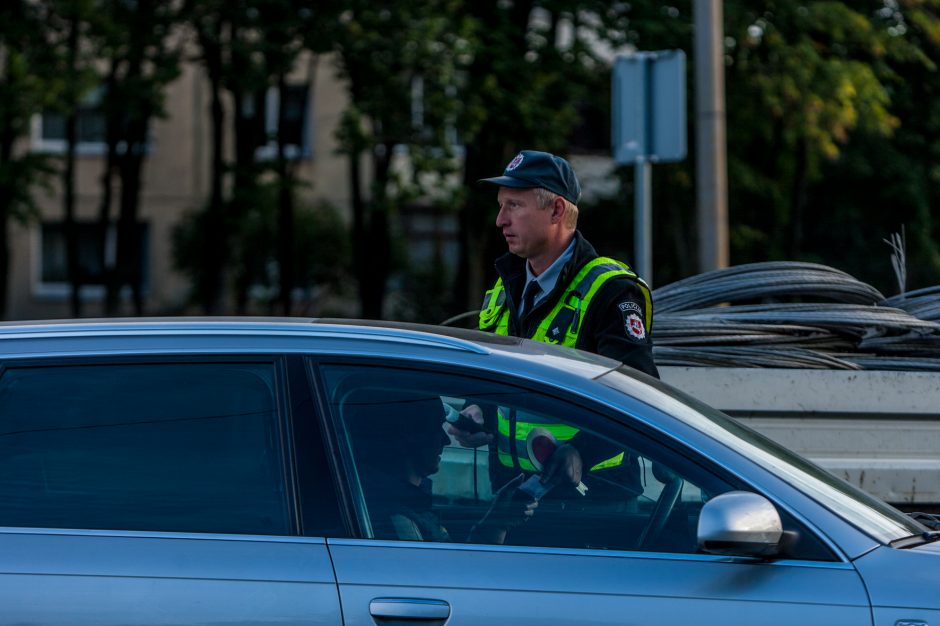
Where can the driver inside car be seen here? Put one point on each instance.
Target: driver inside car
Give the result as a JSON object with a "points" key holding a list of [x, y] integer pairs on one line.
{"points": [[398, 439]]}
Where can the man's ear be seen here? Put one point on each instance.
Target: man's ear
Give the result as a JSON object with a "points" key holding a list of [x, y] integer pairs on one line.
{"points": [[559, 206]]}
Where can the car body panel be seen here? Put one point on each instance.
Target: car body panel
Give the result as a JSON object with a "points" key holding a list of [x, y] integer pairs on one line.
{"points": [[904, 584], [111, 577], [97, 577], [526, 586], [256, 337]]}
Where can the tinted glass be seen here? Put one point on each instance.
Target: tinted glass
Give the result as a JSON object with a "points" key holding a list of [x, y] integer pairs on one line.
{"points": [[864, 511], [414, 482], [188, 447]]}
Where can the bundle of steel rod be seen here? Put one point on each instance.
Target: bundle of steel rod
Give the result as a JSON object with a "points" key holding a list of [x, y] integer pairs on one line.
{"points": [[788, 314]]}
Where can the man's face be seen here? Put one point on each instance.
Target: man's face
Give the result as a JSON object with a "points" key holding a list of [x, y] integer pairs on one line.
{"points": [[427, 444], [525, 225]]}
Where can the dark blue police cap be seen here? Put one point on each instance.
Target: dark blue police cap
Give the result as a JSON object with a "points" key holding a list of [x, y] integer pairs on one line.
{"points": [[531, 168]]}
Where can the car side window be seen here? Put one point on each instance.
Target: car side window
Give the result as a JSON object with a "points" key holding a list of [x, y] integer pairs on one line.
{"points": [[183, 447], [415, 482]]}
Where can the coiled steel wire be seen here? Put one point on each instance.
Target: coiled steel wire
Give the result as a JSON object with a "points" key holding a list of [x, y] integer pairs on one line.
{"points": [[922, 303], [762, 280], [846, 324], [749, 357]]}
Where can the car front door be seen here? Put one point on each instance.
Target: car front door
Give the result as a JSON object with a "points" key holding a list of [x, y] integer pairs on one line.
{"points": [[622, 553], [154, 491]]}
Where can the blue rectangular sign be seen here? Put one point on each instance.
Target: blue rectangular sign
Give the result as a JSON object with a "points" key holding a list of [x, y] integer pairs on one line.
{"points": [[649, 120]]}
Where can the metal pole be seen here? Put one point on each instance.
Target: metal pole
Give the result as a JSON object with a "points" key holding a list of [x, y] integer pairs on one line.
{"points": [[711, 150], [643, 218]]}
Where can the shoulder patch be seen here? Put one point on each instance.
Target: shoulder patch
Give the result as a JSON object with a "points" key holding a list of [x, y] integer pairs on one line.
{"points": [[633, 320]]}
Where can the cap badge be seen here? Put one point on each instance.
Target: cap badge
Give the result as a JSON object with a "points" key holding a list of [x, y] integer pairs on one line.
{"points": [[516, 162]]}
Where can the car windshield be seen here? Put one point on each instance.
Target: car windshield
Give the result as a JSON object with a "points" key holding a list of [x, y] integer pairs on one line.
{"points": [[869, 514]]}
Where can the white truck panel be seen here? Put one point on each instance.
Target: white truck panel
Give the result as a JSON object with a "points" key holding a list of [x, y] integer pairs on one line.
{"points": [[880, 430]]}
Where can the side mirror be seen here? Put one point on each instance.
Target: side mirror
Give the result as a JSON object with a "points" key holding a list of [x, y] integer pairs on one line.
{"points": [[740, 523]]}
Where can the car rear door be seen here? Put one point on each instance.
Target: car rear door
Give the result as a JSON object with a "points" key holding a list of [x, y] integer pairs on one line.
{"points": [[158, 490], [600, 559]]}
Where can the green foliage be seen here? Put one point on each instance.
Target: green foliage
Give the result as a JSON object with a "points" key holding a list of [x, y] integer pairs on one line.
{"points": [[833, 111], [881, 183], [389, 55], [323, 258], [832, 132], [22, 177], [30, 80]]}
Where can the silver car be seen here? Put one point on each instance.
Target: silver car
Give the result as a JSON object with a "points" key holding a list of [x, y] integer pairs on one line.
{"points": [[300, 472]]}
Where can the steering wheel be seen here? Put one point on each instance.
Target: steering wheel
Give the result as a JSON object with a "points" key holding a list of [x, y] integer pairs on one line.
{"points": [[672, 490]]}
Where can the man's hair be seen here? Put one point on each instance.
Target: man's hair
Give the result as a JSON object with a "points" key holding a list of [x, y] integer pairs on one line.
{"points": [[545, 199]]}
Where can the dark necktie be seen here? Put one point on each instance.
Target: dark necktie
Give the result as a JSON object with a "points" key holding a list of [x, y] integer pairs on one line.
{"points": [[532, 290]]}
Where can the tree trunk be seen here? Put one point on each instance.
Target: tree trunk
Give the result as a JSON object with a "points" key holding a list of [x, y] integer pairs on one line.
{"points": [[68, 177], [285, 204], [131, 160], [106, 262], [359, 246], [244, 186], [248, 128], [800, 191], [7, 137], [376, 245], [5, 197], [214, 248], [128, 233]]}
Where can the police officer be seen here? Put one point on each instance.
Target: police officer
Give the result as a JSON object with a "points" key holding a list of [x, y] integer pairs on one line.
{"points": [[553, 287]]}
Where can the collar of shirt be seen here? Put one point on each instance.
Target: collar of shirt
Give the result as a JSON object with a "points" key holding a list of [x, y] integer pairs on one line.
{"points": [[549, 277]]}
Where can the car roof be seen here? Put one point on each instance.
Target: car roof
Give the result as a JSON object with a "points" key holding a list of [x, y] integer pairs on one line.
{"points": [[49, 336]]}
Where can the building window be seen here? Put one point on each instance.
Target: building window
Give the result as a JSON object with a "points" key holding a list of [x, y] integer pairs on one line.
{"points": [[91, 128], [53, 270], [432, 236], [421, 118], [296, 131]]}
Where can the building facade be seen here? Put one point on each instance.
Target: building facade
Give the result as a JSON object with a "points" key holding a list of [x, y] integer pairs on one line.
{"points": [[176, 179]]}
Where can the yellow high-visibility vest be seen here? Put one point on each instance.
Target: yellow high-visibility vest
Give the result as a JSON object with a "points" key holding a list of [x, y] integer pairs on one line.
{"points": [[560, 326]]}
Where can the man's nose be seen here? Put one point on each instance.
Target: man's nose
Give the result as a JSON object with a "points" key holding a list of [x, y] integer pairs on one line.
{"points": [[501, 218]]}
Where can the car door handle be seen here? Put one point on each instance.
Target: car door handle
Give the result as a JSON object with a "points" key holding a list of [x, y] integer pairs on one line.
{"points": [[409, 608]]}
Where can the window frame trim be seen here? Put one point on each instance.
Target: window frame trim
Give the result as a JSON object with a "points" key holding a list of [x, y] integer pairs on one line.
{"points": [[613, 420], [40, 145]]}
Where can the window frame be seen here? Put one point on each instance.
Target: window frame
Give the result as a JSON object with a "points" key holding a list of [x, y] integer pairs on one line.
{"points": [[604, 420], [90, 291], [266, 151], [92, 104], [283, 420]]}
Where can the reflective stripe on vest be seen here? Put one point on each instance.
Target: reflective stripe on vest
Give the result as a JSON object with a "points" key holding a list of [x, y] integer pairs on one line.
{"points": [[494, 314], [505, 442], [561, 326]]}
